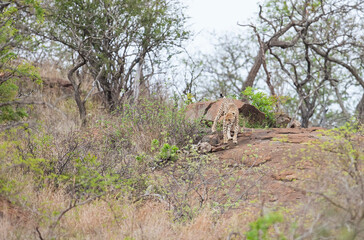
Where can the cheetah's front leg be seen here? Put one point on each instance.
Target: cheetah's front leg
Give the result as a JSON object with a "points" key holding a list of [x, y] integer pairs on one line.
{"points": [[218, 115], [225, 132], [236, 130], [229, 132]]}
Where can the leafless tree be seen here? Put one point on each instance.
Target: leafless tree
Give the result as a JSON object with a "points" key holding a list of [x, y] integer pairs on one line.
{"points": [[317, 46], [224, 70]]}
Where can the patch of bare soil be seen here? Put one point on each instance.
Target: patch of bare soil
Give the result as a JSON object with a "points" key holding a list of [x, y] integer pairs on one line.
{"points": [[272, 157]]}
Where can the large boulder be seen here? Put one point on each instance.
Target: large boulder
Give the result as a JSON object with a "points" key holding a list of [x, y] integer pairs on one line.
{"points": [[285, 121], [208, 111]]}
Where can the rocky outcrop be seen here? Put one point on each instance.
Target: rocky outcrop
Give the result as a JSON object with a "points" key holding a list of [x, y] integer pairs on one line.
{"points": [[58, 85], [208, 110], [283, 120], [277, 155]]}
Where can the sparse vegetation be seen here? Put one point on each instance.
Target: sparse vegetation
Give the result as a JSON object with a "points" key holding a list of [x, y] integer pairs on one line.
{"points": [[108, 162], [61, 179], [337, 182]]}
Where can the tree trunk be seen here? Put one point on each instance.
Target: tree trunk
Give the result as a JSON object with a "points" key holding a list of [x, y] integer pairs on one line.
{"points": [[137, 80], [305, 121], [107, 94], [305, 118], [264, 46], [341, 103], [255, 69], [81, 108], [307, 110], [360, 110], [77, 94]]}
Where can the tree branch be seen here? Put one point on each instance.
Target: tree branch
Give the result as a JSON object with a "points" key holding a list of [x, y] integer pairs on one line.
{"points": [[22, 103], [351, 69]]}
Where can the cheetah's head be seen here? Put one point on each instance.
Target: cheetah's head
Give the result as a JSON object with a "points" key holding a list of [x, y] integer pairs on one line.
{"points": [[230, 117]]}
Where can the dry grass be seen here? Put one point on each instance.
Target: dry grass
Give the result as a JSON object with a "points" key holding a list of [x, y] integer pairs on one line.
{"points": [[108, 218], [150, 221], [113, 219]]}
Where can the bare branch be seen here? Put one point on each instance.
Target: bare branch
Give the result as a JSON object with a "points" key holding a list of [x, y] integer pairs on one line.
{"points": [[351, 69], [266, 20], [21, 103]]}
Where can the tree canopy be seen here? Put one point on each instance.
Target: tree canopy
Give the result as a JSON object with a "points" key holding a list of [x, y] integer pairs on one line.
{"points": [[13, 69], [113, 37]]}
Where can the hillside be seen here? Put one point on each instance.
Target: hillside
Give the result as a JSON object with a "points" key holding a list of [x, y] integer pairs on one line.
{"points": [[279, 177]]}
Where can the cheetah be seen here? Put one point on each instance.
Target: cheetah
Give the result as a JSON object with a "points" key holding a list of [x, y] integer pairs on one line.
{"points": [[230, 113]]}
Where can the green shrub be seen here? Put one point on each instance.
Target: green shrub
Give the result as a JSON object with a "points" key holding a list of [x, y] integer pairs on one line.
{"points": [[166, 152], [8, 91], [259, 229], [81, 166], [14, 71], [266, 104]]}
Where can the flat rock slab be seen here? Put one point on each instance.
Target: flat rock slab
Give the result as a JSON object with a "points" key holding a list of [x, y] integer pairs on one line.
{"points": [[272, 158]]}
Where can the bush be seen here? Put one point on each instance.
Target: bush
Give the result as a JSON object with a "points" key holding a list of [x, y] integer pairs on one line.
{"points": [[196, 182], [259, 228], [153, 119], [267, 104], [166, 152], [8, 92], [116, 155], [86, 167]]}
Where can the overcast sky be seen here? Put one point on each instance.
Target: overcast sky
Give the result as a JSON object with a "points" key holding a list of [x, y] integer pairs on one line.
{"points": [[218, 16]]}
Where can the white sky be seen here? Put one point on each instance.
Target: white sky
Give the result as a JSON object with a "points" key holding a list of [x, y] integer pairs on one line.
{"points": [[218, 16]]}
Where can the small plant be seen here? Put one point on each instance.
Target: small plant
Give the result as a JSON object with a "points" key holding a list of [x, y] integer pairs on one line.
{"points": [[259, 228], [167, 152], [153, 119]]}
